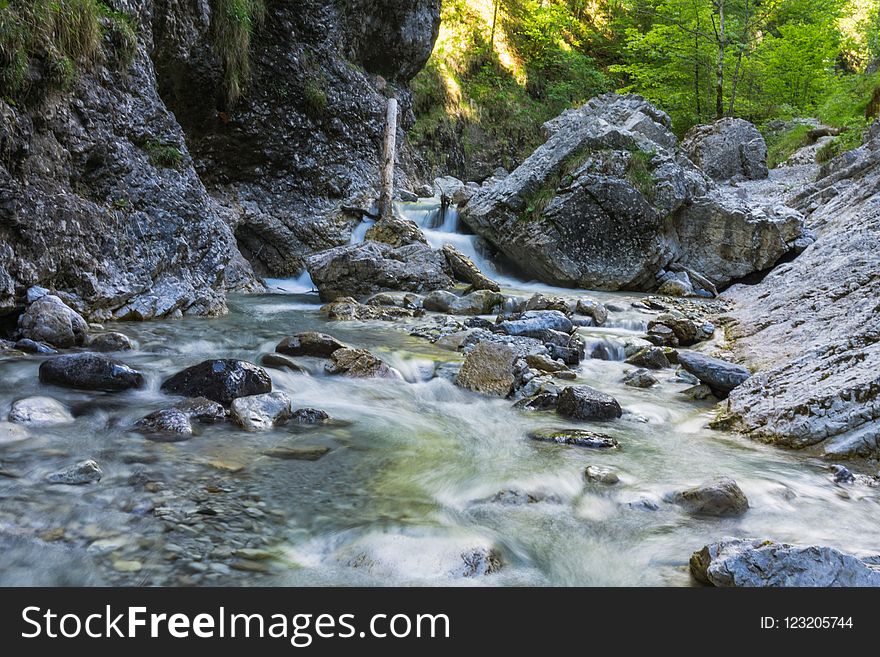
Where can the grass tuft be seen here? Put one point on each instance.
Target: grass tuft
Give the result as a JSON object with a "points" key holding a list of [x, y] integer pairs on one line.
{"points": [[234, 23]]}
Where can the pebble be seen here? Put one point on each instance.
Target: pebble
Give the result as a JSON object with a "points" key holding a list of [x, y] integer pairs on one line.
{"points": [[124, 566]]}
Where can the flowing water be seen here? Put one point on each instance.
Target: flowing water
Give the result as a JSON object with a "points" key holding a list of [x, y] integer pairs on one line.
{"points": [[406, 488]]}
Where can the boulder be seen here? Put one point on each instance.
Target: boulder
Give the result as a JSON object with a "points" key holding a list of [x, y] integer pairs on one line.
{"points": [[727, 149], [261, 412], [309, 416], [166, 425], [755, 562], [586, 403], [360, 270], [533, 323], [592, 309], [110, 341], [577, 437], [39, 411], [279, 362], [202, 409], [90, 371], [49, 319], [395, 231], [640, 379], [360, 364], [489, 369], [220, 380], [479, 302], [84, 472], [600, 475], [464, 269], [545, 363], [447, 187], [653, 358], [685, 330], [719, 375], [33, 347], [463, 195], [310, 343], [721, 498]]}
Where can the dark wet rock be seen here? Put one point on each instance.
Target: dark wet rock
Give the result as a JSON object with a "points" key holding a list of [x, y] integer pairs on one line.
{"points": [[513, 497], [578, 437], [84, 472], [721, 497], [48, 319], [661, 335], [700, 392], [34, 347], [202, 409], [220, 380], [111, 341], [359, 364], [360, 270], [310, 343], [480, 562], [479, 302], [90, 371], [586, 403], [279, 362], [545, 401], [540, 301], [166, 425], [309, 416], [727, 149], [11, 432], [534, 322], [653, 358], [568, 355], [600, 475], [348, 309], [489, 369], [593, 309], [261, 412], [719, 375], [297, 452], [685, 330], [754, 562], [842, 474], [39, 411], [640, 379], [464, 269]]}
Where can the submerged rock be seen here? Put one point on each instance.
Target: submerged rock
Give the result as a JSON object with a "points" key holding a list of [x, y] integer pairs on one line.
{"points": [[489, 369], [719, 375], [310, 343], [722, 498], [513, 497], [309, 416], [586, 403], [202, 409], [279, 362], [754, 562], [600, 475], [360, 270], [221, 380], [10, 432], [359, 364], [261, 412], [90, 371], [578, 437], [166, 425], [49, 319], [728, 148], [297, 452], [640, 379], [84, 472], [39, 411]]}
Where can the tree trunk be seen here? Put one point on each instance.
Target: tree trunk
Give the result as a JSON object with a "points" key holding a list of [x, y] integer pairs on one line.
{"points": [[719, 69], [697, 76], [494, 21], [734, 83], [386, 200]]}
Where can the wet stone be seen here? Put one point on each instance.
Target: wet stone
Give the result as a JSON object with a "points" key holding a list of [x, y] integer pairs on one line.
{"points": [[297, 452], [84, 472], [577, 437]]}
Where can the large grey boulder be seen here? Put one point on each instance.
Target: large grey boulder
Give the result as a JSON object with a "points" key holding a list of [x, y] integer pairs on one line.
{"points": [[755, 562], [609, 202], [726, 149], [360, 270], [719, 375], [722, 498], [49, 319], [489, 369]]}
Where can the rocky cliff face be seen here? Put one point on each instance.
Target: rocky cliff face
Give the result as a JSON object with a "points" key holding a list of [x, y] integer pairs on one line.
{"points": [[813, 325], [131, 193]]}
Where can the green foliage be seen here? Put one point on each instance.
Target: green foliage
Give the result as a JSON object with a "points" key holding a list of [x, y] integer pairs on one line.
{"points": [[234, 23], [162, 155], [315, 98], [57, 39], [783, 143], [640, 173]]}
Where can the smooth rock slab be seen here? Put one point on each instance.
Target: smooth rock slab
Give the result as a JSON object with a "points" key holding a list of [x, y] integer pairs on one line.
{"points": [[311, 343], [586, 403], [719, 375], [40, 411], [721, 498], [90, 371], [84, 472], [221, 380], [755, 562], [261, 412], [578, 437]]}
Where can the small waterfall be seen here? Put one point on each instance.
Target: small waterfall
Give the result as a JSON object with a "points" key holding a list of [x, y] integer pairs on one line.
{"points": [[602, 348], [359, 232], [302, 284]]}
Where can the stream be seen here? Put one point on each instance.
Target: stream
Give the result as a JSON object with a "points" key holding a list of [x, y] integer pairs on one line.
{"points": [[405, 494]]}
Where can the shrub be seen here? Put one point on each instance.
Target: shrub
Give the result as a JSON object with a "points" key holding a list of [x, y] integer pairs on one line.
{"points": [[234, 22], [166, 156]]}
